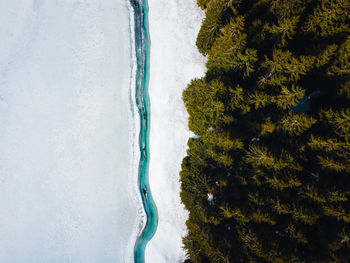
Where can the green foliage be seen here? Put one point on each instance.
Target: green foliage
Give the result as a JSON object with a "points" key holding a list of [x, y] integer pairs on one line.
{"points": [[337, 211], [211, 25], [237, 100], [329, 18], [341, 65], [329, 145], [267, 127], [259, 156], [326, 55], [344, 90], [284, 30], [298, 236], [229, 52], [221, 140], [329, 163], [282, 181], [287, 8], [337, 196], [340, 121], [305, 215], [251, 242], [284, 67], [289, 97], [311, 192], [204, 103], [272, 119], [295, 124], [280, 208], [259, 216], [203, 3]]}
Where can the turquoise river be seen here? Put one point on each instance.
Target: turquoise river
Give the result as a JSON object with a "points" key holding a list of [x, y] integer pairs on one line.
{"points": [[142, 47]]}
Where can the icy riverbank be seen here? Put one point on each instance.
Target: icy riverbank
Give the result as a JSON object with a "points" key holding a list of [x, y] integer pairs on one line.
{"points": [[174, 25], [66, 133]]}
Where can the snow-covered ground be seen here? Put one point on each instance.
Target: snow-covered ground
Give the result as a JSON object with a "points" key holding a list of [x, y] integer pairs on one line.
{"points": [[174, 25], [66, 132]]}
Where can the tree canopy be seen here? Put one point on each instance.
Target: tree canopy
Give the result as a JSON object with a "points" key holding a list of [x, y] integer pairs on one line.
{"points": [[267, 179]]}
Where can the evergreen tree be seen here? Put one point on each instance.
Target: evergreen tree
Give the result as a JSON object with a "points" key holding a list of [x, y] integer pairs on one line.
{"points": [[284, 30], [296, 124], [328, 18], [340, 121], [202, 3], [266, 179], [211, 25], [341, 65], [259, 156], [289, 97]]}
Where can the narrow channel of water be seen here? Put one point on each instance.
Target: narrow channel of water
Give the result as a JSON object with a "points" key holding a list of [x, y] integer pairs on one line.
{"points": [[142, 47]]}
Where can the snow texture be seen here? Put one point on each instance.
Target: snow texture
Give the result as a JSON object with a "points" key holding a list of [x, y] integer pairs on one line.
{"points": [[174, 25], [66, 132]]}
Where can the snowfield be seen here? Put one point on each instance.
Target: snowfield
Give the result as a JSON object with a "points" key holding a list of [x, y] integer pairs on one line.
{"points": [[174, 25], [69, 129], [67, 175]]}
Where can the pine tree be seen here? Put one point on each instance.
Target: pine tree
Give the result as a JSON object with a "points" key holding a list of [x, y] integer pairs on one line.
{"points": [[331, 164], [340, 121], [259, 99], [326, 55], [281, 208], [259, 216], [337, 211], [221, 140], [202, 3], [282, 181], [210, 26], [267, 127], [329, 145], [344, 90], [295, 124], [229, 52], [205, 103], [311, 192], [251, 243], [284, 30], [298, 236], [329, 18], [258, 155], [336, 196], [305, 215], [289, 97], [231, 41], [341, 65], [287, 8], [237, 100], [284, 68]]}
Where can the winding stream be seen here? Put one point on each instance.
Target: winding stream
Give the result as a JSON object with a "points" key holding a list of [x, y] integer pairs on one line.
{"points": [[142, 47]]}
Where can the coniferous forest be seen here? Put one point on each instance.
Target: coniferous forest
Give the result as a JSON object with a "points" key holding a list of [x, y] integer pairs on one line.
{"points": [[267, 176]]}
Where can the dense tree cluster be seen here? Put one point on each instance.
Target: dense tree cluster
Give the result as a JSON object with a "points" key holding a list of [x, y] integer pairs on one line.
{"points": [[267, 176]]}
